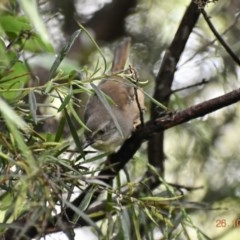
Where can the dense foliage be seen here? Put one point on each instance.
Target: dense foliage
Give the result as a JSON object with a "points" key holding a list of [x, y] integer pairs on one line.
{"points": [[183, 185]]}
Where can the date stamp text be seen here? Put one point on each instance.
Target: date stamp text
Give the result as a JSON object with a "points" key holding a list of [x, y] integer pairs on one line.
{"points": [[223, 223]]}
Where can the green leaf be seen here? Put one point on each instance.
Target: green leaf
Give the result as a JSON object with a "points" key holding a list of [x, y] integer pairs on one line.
{"points": [[49, 87], [36, 44], [30, 8], [14, 123], [4, 60], [154, 199], [63, 53], [65, 102], [155, 101], [72, 128], [148, 213], [33, 105], [14, 25], [86, 200], [102, 98], [135, 220], [60, 129], [159, 216], [10, 116], [84, 216], [74, 133], [11, 85], [76, 116]]}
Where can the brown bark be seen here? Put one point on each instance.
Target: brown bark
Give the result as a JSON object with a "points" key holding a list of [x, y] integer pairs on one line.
{"points": [[165, 78]]}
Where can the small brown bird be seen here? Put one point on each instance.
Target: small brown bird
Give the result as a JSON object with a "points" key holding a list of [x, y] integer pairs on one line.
{"points": [[110, 128]]}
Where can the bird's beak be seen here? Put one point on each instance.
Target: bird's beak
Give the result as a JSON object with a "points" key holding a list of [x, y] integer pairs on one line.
{"points": [[87, 142]]}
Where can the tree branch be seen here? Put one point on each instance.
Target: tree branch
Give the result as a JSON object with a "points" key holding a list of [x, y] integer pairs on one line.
{"points": [[126, 152], [129, 148], [165, 78]]}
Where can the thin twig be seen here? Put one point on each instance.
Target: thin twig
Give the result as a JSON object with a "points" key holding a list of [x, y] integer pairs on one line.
{"points": [[219, 38], [135, 76], [204, 81], [210, 43]]}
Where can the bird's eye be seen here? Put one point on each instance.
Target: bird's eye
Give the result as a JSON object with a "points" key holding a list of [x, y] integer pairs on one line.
{"points": [[101, 132]]}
